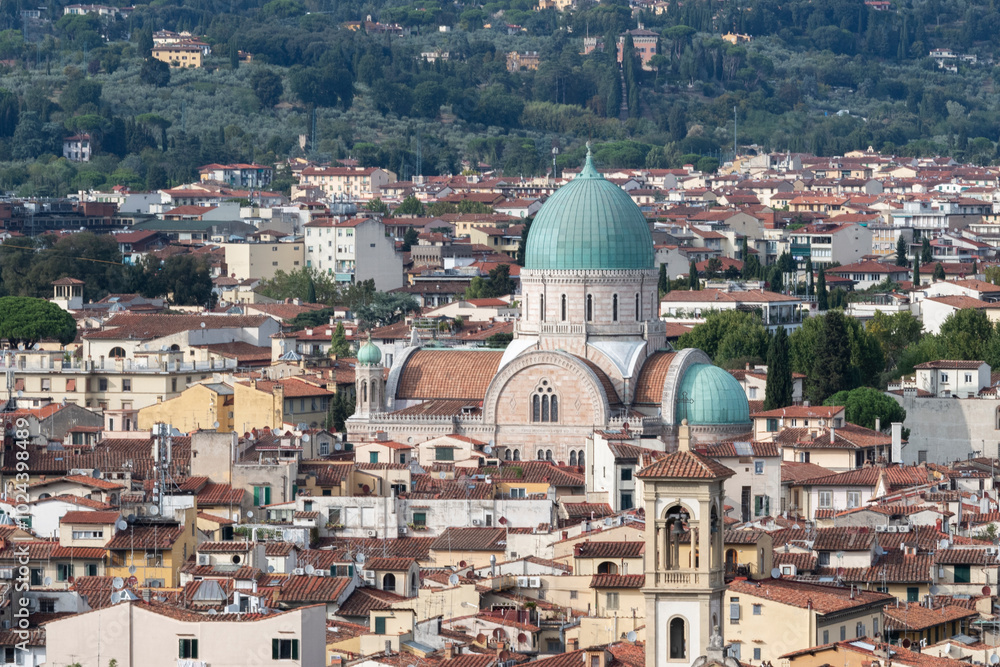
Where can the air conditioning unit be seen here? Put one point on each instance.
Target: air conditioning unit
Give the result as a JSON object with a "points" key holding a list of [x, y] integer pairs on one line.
{"points": [[402, 530], [522, 582], [298, 571], [880, 529], [609, 521], [476, 522], [320, 573], [904, 529], [891, 529], [204, 559], [371, 533], [534, 582], [369, 577]]}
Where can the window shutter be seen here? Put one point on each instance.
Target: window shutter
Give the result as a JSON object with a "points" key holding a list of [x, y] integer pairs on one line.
{"points": [[267, 495], [275, 649], [194, 648], [734, 612], [256, 496], [181, 653], [295, 649]]}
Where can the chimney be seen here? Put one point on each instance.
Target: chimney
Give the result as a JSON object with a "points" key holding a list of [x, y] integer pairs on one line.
{"points": [[878, 424], [897, 442], [449, 650], [833, 435]]}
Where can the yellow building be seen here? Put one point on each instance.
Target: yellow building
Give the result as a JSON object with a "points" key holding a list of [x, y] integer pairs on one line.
{"points": [[768, 617], [199, 407], [271, 403], [262, 260], [178, 55], [157, 549]]}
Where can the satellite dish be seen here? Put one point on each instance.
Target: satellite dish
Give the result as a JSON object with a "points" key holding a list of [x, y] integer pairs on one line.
{"points": [[154, 510], [115, 597], [503, 521], [360, 559], [20, 393], [48, 581], [943, 544], [906, 643], [202, 325], [462, 563], [215, 424], [131, 569], [994, 659], [775, 573], [367, 489], [521, 637], [270, 568], [986, 591], [212, 612], [488, 449], [310, 569], [122, 524], [631, 636], [840, 554], [933, 590], [453, 580], [160, 598], [131, 518], [337, 446], [442, 474], [249, 514], [480, 638], [117, 582], [305, 438], [973, 498]]}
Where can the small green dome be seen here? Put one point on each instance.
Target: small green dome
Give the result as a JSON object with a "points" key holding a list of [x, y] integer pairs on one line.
{"points": [[589, 223], [369, 354], [711, 396]]}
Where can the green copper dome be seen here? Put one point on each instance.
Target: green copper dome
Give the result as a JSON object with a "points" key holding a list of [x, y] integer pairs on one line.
{"points": [[589, 223], [369, 354], [711, 396]]}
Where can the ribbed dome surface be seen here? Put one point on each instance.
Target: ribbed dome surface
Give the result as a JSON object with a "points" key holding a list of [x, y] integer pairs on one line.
{"points": [[369, 354], [709, 395], [589, 223]]}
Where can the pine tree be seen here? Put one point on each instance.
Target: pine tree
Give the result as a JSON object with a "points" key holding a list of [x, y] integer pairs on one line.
{"points": [[663, 283], [916, 271], [821, 294], [778, 392], [340, 347], [693, 276], [831, 367], [901, 252], [410, 239]]}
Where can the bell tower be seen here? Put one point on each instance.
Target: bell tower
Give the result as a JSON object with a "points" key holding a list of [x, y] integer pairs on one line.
{"points": [[369, 381], [685, 571]]}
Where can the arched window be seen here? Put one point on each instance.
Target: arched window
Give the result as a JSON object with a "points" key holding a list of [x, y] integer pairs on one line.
{"points": [[541, 307], [548, 455], [364, 392], [414, 584], [389, 582], [541, 454], [590, 307], [638, 307], [117, 353], [678, 639], [544, 403], [374, 392], [614, 308], [506, 455], [517, 454], [572, 458], [562, 308], [998, 419], [607, 567], [580, 460]]}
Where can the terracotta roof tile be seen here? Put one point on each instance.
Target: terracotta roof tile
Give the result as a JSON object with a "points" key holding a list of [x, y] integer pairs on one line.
{"points": [[633, 549], [448, 374], [145, 537], [362, 601], [618, 581], [965, 557], [96, 518], [146, 327], [685, 464], [824, 599], [471, 539], [915, 617], [307, 588], [394, 564], [652, 375]]}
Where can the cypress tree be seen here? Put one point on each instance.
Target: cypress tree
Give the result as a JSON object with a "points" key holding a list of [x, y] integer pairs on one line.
{"points": [[821, 295], [926, 256], [916, 270], [938, 272], [693, 276], [778, 393], [663, 283], [311, 291], [831, 368], [901, 252]]}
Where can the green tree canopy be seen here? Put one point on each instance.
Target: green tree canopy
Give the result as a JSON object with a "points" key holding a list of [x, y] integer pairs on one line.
{"points": [[27, 320], [728, 335], [864, 404], [340, 347]]}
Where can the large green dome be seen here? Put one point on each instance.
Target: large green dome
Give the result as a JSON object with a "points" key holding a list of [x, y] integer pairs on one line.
{"points": [[589, 223], [711, 396]]}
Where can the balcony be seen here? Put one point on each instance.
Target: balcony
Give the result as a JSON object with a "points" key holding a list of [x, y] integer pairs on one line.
{"points": [[688, 578]]}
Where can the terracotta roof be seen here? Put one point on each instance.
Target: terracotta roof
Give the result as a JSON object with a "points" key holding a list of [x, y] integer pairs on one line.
{"points": [[802, 412], [586, 510], [652, 375], [728, 450], [430, 374], [146, 327], [363, 601], [892, 567], [795, 471], [394, 564], [145, 537], [95, 518], [306, 588], [618, 581], [220, 494], [633, 549], [683, 465], [405, 547], [84, 480], [803, 562], [948, 364], [471, 539], [224, 547], [916, 617], [824, 599], [965, 557]]}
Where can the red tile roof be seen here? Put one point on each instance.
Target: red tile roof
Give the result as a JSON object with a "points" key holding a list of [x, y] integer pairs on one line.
{"points": [[471, 539], [916, 617], [618, 581], [823, 599], [649, 385], [430, 374], [685, 465], [633, 549], [145, 537], [306, 588], [95, 518]]}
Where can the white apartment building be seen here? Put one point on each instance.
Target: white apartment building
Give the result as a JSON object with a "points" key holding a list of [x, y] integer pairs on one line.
{"points": [[354, 251]]}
